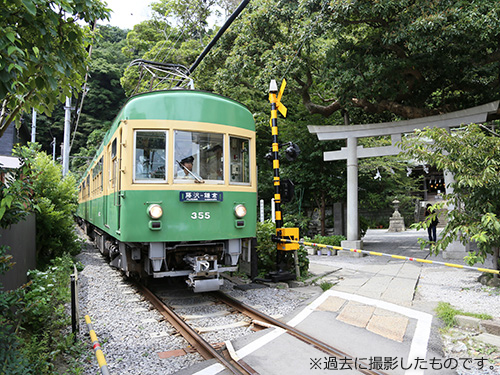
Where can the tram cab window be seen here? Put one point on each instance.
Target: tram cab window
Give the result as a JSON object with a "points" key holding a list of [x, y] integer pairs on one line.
{"points": [[199, 157], [150, 164], [240, 160]]}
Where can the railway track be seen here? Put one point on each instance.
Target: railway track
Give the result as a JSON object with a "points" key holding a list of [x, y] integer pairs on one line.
{"points": [[206, 350], [221, 304]]}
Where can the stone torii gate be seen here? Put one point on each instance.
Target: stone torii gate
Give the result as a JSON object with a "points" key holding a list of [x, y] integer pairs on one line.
{"points": [[353, 152]]}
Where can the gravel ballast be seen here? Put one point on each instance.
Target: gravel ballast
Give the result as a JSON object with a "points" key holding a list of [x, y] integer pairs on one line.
{"points": [[132, 334]]}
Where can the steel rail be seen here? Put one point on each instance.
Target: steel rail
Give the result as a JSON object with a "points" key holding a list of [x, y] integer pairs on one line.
{"points": [[195, 340], [257, 315]]}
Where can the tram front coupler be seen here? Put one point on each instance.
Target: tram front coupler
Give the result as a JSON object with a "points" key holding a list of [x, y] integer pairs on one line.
{"points": [[205, 275]]}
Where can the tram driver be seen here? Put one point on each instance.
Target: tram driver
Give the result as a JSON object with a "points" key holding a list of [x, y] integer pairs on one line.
{"points": [[186, 170]]}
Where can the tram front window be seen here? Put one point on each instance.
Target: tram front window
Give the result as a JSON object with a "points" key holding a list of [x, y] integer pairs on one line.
{"points": [[199, 157], [150, 151]]}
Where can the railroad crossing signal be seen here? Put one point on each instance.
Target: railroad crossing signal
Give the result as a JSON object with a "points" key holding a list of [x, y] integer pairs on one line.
{"points": [[289, 233], [280, 106]]}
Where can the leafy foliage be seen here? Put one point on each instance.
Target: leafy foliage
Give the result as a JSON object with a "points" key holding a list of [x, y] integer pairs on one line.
{"points": [[472, 155], [43, 55], [407, 58], [334, 240], [266, 251], [57, 200], [104, 96], [33, 319], [11, 359], [38, 185], [16, 194]]}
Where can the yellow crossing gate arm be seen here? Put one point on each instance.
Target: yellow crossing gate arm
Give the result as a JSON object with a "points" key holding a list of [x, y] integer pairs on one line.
{"points": [[419, 260]]}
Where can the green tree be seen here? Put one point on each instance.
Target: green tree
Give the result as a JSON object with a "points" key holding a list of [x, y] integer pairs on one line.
{"points": [[143, 37], [472, 155], [156, 40], [43, 53], [385, 178], [189, 16], [405, 58], [103, 99]]}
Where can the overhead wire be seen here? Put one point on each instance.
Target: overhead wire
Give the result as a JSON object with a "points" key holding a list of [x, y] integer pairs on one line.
{"points": [[167, 38], [183, 30]]}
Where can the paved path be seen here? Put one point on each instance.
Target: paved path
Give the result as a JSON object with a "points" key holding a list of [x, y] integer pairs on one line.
{"points": [[379, 278]]}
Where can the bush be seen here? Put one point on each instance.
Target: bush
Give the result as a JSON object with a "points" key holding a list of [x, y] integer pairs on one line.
{"points": [[266, 248], [266, 251], [12, 360], [33, 319], [16, 191], [334, 240], [57, 199]]}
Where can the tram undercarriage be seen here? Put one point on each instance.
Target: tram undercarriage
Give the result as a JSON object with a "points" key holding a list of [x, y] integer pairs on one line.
{"points": [[201, 263]]}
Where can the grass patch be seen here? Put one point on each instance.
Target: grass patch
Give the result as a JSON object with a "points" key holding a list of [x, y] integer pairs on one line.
{"points": [[325, 285], [447, 314]]}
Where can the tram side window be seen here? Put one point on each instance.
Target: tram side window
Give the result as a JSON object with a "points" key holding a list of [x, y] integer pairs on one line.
{"points": [[150, 155], [240, 160], [199, 156], [114, 165]]}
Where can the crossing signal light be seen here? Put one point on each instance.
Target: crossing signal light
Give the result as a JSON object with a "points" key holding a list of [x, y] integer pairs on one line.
{"points": [[287, 190], [292, 151]]}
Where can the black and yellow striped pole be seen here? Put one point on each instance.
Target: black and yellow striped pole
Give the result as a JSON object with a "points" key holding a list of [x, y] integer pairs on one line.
{"points": [[276, 105], [274, 99]]}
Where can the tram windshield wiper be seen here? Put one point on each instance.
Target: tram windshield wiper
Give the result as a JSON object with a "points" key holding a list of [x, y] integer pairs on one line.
{"points": [[197, 178]]}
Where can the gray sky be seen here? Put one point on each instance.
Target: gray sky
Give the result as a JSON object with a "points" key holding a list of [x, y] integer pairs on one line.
{"points": [[127, 13]]}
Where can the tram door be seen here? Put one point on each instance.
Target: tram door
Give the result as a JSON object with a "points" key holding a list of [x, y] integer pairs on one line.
{"points": [[113, 203], [106, 182], [117, 171]]}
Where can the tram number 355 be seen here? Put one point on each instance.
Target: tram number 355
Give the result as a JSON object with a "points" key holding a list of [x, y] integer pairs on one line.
{"points": [[200, 215]]}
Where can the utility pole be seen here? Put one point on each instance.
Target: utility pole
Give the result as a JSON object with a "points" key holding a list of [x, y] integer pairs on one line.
{"points": [[33, 126], [54, 149], [67, 129]]}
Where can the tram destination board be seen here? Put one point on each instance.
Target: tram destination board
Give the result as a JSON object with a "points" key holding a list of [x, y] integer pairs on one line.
{"points": [[201, 196]]}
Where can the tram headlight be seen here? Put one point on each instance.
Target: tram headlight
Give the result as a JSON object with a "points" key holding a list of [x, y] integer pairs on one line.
{"points": [[240, 211], [155, 211]]}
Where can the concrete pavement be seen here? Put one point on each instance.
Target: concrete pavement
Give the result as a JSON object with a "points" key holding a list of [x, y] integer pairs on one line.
{"points": [[375, 277]]}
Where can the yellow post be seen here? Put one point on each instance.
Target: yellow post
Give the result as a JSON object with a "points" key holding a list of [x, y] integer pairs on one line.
{"points": [[97, 347]]}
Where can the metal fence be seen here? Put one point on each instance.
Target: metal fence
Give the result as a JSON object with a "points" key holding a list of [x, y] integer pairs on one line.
{"points": [[21, 239]]}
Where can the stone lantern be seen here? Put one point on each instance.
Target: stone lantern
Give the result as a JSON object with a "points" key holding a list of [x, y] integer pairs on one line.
{"points": [[396, 222]]}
